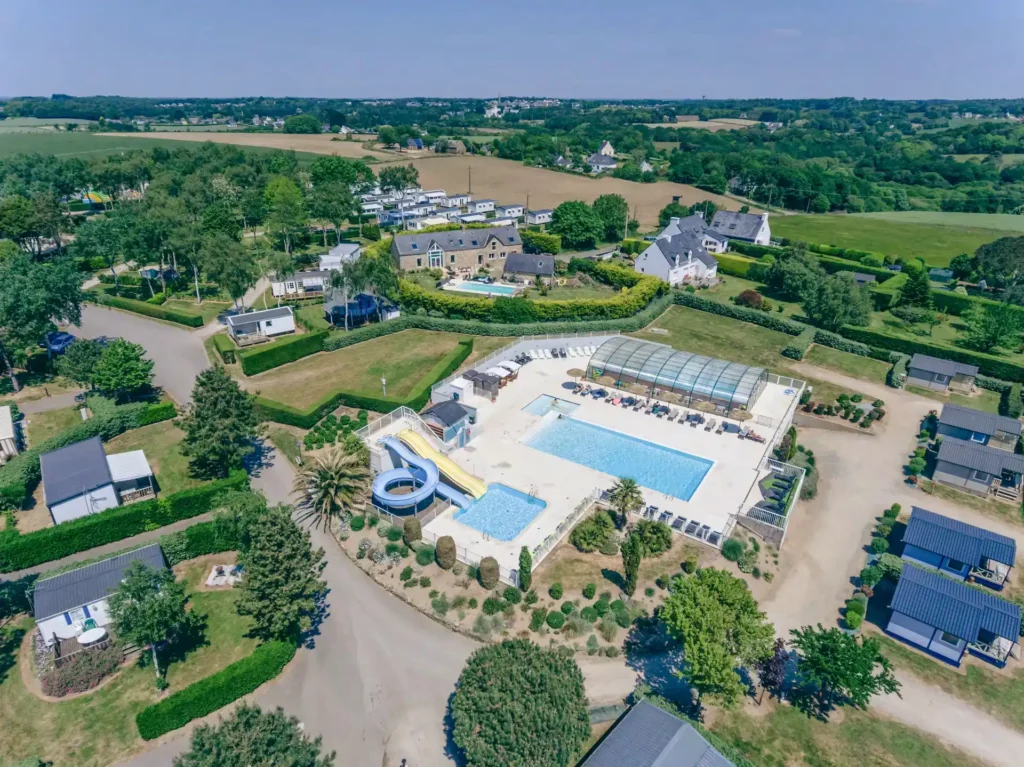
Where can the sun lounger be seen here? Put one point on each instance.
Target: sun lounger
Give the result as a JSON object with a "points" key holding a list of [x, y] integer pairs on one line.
{"points": [[691, 528], [665, 515], [714, 538], [651, 512], [710, 426], [590, 349], [743, 432], [703, 531], [531, 354], [672, 414], [581, 352], [720, 429], [572, 352], [678, 523], [548, 355], [730, 428]]}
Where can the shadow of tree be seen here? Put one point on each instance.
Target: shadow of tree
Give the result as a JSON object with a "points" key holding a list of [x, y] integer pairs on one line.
{"points": [[614, 577], [452, 751], [10, 642], [259, 459], [320, 613], [14, 597], [192, 637]]}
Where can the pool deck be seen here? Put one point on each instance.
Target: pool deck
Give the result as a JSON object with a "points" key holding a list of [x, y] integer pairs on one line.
{"points": [[496, 453]]}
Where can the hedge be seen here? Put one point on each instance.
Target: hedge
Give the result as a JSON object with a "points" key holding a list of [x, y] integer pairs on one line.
{"points": [[215, 691], [885, 295], [225, 348], [898, 372], [752, 250], [832, 264], [269, 410], [261, 358], [734, 266], [992, 384], [797, 348], [141, 307], [20, 551], [957, 303], [20, 475], [199, 540], [755, 316], [836, 341], [633, 247], [1009, 402]]}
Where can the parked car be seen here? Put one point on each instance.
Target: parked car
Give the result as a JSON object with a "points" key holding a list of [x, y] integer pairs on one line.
{"points": [[57, 342]]}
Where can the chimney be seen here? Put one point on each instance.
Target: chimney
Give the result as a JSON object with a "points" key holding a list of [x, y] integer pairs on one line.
{"points": [[674, 220], [675, 260], [689, 256], [764, 216], [700, 214]]}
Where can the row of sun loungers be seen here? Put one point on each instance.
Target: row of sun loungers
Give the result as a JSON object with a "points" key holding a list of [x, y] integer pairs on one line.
{"points": [[692, 528], [568, 351]]}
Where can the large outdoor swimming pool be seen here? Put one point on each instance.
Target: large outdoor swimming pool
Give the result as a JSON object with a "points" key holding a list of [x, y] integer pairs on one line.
{"points": [[481, 287], [653, 466], [502, 512]]}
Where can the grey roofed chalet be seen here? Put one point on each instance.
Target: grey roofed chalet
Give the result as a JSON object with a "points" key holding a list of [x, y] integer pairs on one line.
{"points": [[448, 412], [696, 223], [681, 245], [647, 736], [600, 159], [73, 470], [541, 264], [976, 420], [318, 274], [457, 239], [952, 606], [961, 452], [250, 318], [743, 226], [539, 211], [75, 588], [957, 540], [941, 366]]}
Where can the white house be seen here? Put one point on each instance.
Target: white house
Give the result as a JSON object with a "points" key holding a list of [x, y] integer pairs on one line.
{"points": [[646, 167], [480, 206], [340, 254], [300, 284], [503, 220], [599, 163], [606, 149], [450, 214], [470, 218], [81, 479], [746, 227], [8, 437], [422, 222], [677, 258], [433, 196], [456, 200], [414, 207], [373, 207], [515, 211], [262, 324], [537, 217], [74, 602]]}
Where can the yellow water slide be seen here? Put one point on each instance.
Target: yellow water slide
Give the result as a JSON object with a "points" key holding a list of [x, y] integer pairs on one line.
{"points": [[472, 485]]}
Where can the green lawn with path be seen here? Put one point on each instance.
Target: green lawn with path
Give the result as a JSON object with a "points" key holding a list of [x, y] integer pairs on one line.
{"points": [[42, 426], [162, 444]]}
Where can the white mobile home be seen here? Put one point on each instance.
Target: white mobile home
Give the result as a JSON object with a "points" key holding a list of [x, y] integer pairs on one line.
{"points": [[254, 326]]}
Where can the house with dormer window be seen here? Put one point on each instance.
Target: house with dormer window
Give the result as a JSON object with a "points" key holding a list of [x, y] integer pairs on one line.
{"points": [[460, 252]]}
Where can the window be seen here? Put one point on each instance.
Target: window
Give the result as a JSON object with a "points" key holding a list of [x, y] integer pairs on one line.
{"points": [[511, 239], [269, 323], [453, 258], [949, 639], [490, 256], [502, 255], [982, 476], [977, 436], [415, 246], [480, 259], [419, 262], [955, 564]]}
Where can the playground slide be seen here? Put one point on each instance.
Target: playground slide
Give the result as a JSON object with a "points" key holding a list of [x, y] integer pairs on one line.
{"points": [[424, 476], [472, 485]]}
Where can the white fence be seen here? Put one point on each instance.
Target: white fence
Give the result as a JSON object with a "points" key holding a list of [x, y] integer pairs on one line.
{"points": [[470, 557], [540, 552], [768, 523]]}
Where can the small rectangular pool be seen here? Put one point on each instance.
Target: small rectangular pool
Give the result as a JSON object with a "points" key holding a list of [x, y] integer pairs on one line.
{"points": [[657, 467], [481, 287], [502, 512], [545, 403]]}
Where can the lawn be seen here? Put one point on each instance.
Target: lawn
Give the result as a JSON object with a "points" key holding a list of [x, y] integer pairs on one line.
{"points": [[42, 426], [729, 287], [929, 239], [402, 358], [1004, 223], [582, 293], [312, 316], [787, 738], [98, 728], [1007, 512], [949, 332], [208, 309], [161, 442], [984, 400], [853, 365]]}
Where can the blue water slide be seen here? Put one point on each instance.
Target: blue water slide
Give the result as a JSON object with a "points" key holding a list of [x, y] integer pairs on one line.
{"points": [[422, 473]]}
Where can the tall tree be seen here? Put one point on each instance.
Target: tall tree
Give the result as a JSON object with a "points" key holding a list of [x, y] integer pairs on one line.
{"points": [[79, 360], [632, 555], [917, 290], [717, 621], [626, 498], [670, 211], [963, 266], [835, 301], [525, 569], [577, 223], [395, 178], [249, 737], [148, 608], [380, 277], [1002, 261], [285, 211], [842, 668], [33, 298], [281, 588], [990, 327], [220, 425], [332, 169], [106, 238], [228, 263], [771, 670], [122, 370], [613, 210], [333, 483], [331, 202]]}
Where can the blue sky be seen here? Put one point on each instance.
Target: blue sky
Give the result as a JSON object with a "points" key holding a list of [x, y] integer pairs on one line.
{"points": [[593, 49]]}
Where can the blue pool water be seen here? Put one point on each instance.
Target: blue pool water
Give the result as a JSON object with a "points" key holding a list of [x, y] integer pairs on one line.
{"points": [[545, 403], [502, 512], [480, 287], [653, 466]]}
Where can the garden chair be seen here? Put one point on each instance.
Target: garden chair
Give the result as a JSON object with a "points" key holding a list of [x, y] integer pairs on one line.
{"points": [[691, 528], [710, 425], [665, 516], [679, 523], [703, 531], [714, 538]]}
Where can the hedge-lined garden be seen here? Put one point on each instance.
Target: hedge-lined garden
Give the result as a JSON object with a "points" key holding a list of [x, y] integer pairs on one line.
{"points": [[258, 359], [147, 309]]}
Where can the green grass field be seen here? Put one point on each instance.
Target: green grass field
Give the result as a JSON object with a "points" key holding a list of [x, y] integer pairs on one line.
{"points": [[935, 237], [162, 444]]}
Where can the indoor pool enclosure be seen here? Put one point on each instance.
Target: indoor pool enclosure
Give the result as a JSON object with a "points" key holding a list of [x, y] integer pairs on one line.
{"points": [[657, 370]]}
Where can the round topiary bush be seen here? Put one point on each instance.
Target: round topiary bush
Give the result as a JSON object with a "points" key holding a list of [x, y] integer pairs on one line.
{"points": [[589, 614], [425, 556], [589, 590], [879, 545], [732, 549], [853, 620], [601, 607], [512, 595], [445, 552], [555, 620], [568, 608], [412, 531], [555, 591], [394, 534], [690, 565], [357, 523], [870, 576], [493, 606], [488, 572]]}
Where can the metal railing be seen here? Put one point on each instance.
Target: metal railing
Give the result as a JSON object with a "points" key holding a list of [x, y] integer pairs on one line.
{"points": [[549, 543], [773, 519], [398, 521], [469, 557], [990, 650], [416, 423]]}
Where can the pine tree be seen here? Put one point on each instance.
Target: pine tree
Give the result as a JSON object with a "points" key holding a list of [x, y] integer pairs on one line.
{"points": [[525, 569], [918, 290], [632, 554], [220, 425]]}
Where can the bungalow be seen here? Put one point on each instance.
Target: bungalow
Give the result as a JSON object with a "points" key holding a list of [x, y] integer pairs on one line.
{"points": [[946, 618], [253, 327], [480, 206], [450, 421], [299, 284], [538, 217], [979, 469], [648, 736], [515, 211], [434, 196], [8, 437], [81, 479], [746, 227], [977, 426], [422, 222], [340, 254], [74, 602], [373, 207], [530, 266], [456, 200], [601, 162], [958, 549], [414, 207], [677, 258], [560, 162], [450, 214], [469, 218], [503, 220], [941, 375]]}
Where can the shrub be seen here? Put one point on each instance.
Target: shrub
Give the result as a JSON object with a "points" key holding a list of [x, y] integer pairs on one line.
{"points": [[589, 614], [892, 513], [411, 531], [538, 618], [568, 608], [530, 597], [655, 537], [82, 671], [425, 556], [472, 603], [879, 545], [884, 528], [440, 605], [610, 548], [1010, 403], [425, 581], [611, 652], [690, 565], [853, 620], [592, 645], [589, 590], [593, 532], [797, 348], [149, 310], [732, 549], [608, 628], [488, 573], [493, 606], [280, 352], [870, 576], [406, 573], [225, 348], [215, 691], [916, 466], [750, 298], [856, 606], [512, 595], [555, 591], [393, 534], [445, 552], [392, 549], [356, 524], [555, 620], [890, 565]]}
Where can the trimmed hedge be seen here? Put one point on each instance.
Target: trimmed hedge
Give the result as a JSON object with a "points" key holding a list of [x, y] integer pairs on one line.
{"points": [[832, 264], [262, 358], [225, 348], [149, 310], [836, 341], [199, 540], [1009, 403], [269, 410], [163, 411], [755, 316], [734, 266], [215, 691], [884, 296], [956, 303], [20, 551], [898, 372], [752, 250], [992, 384], [797, 348]]}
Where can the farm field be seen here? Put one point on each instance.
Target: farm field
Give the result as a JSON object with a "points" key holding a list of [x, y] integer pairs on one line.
{"points": [[317, 144], [34, 124], [934, 242], [1003, 222], [507, 181]]}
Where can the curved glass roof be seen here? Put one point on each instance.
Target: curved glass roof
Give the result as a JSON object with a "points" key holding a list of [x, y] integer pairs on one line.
{"points": [[662, 368]]}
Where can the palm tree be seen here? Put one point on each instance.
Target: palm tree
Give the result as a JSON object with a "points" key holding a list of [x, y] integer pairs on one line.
{"points": [[625, 497], [333, 483]]}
